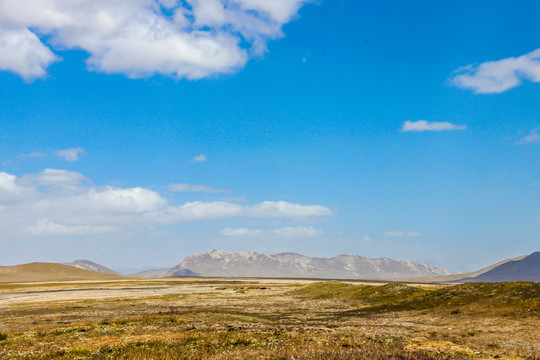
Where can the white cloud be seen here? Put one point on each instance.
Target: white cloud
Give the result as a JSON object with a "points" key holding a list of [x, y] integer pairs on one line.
{"points": [[47, 228], [285, 209], [61, 202], [533, 137], [241, 232], [22, 52], [366, 238], [423, 125], [286, 232], [190, 39], [10, 190], [298, 232], [195, 188], [402, 234], [499, 76], [199, 158], [70, 154]]}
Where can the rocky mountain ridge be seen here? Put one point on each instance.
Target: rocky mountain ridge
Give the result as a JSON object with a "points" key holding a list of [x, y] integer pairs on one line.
{"points": [[257, 264]]}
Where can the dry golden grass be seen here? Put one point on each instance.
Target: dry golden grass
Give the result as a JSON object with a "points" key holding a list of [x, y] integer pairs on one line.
{"points": [[265, 319]]}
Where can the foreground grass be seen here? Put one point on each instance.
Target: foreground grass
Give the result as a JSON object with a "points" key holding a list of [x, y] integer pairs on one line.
{"points": [[167, 337], [325, 320]]}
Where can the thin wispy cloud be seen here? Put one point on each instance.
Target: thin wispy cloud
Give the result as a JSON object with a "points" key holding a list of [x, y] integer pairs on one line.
{"points": [[297, 232], [402, 234], [195, 188], [532, 137], [499, 76], [139, 38], [241, 232], [32, 155], [423, 125], [59, 202], [199, 158], [284, 232], [70, 154]]}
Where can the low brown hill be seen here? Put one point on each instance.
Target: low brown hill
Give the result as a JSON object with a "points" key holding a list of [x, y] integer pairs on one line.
{"points": [[36, 272]]}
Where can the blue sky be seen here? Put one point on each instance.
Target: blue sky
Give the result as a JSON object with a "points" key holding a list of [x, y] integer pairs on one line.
{"points": [[378, 128]]}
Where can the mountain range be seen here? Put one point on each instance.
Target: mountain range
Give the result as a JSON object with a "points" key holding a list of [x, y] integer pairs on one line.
{"points": [[218, 263], [292, 265]]}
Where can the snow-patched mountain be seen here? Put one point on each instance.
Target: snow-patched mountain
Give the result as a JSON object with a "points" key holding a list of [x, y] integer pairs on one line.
{"points": [[256, 264], [89, 265]]}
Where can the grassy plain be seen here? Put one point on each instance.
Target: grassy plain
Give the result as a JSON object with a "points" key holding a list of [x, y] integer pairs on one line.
{"points": [[268, 319]]}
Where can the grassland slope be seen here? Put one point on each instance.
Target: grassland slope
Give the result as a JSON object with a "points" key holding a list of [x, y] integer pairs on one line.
{"points": [[503, 298], [39, 271]]}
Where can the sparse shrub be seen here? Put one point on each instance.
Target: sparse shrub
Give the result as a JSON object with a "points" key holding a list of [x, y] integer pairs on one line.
{"points": [[3, 336]]}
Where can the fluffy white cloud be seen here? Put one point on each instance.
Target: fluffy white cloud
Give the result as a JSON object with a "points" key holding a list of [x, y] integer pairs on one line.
{"points": [[195, 188], [423, 125], [60, 202], [532, 137], [402, 234], [9, 189], [70, 154], [22, 52], [498, 76], [187, 39], [287, 232]]}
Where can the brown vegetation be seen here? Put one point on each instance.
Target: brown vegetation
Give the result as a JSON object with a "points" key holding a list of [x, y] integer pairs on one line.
{"points": [[265, 319]]}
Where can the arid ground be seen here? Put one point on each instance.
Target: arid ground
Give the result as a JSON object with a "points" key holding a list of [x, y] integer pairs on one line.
{"points": [[267, 319]]}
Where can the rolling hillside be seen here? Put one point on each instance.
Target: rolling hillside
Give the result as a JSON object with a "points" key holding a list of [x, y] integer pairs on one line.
{"points": [[49, 272]]}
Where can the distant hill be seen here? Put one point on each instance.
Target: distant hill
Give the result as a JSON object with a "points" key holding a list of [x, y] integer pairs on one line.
{"points": [[92, 266], [256, 264], [159, 273], [458, 277], [525, 269], [49, 272]]}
